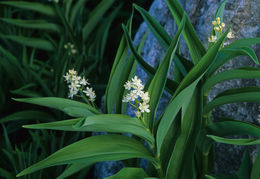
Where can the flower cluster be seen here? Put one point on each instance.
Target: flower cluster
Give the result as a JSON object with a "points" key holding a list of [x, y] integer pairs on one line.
{"points": [[78, 83], [71, 48], [138, 95], [218, 26]]}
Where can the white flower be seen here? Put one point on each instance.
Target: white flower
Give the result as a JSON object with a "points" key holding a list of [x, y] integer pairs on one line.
{"points": [[84, 82], [230, 35], [144, 107], [90, 93], [137, 83], [126, 99], [128, 85], [145, 97], [138, 114], [73, 72], [73, 92], [213, 38], [133, 96]]}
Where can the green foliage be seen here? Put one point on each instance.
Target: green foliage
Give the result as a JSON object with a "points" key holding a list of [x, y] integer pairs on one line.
{"points": [[180, 144]]}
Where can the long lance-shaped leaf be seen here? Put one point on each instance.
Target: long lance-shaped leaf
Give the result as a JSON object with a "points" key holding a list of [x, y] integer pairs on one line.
{"points": [[181, 162], [161, 35], [116, 71], [239, 73], [33, 6], [247, 94], [74, 168], [127, 73], [202, 66], [95, 15], [31, 42], [128, 173], [101, 123], [94, 149], [243, 43], [157, 85], [255, 173], [233, 127], [33, 24], [197, 50], [228, 53], [70, 107], [245, 166], [170, 84], [235, 141], [172, 110], [155, 27]]}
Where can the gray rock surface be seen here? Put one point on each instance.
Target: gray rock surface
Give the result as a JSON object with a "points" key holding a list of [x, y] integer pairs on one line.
{"points": [[244, 18]]}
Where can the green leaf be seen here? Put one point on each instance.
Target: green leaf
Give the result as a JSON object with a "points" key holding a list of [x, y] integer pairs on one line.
{"points": [[72, 169], [27, 115], [202, 66], [181, 163], [157, 85], [243, 43], [245, 166], [159, 32], [255, 170], [33, 24], [129, 173], [162, 36], [95, 15], [70, 107], [75, 10], [102, 123], [233, 127], [172, 110], [170, 84], [239, 73], [197, 50], [33, 6], [94, 149], [247, 94], [226, 54], [235, 141], [31, 42]]}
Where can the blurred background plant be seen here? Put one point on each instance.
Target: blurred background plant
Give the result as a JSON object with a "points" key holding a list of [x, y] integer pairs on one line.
{"points": [[39, 42]]}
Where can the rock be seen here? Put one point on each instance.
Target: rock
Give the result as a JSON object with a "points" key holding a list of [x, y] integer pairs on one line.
{"points": [[243, 16]]}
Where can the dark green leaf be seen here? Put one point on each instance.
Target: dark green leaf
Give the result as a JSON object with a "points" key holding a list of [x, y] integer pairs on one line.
{"points": [[129, 173]]}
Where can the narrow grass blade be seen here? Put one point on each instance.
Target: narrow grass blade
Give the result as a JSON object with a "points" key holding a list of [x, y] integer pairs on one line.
{"points": [[33, 24], [31, 42], [94, 149], [76, 10], [27, 115], [95, 15], [33, 6], [70, 107]]}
